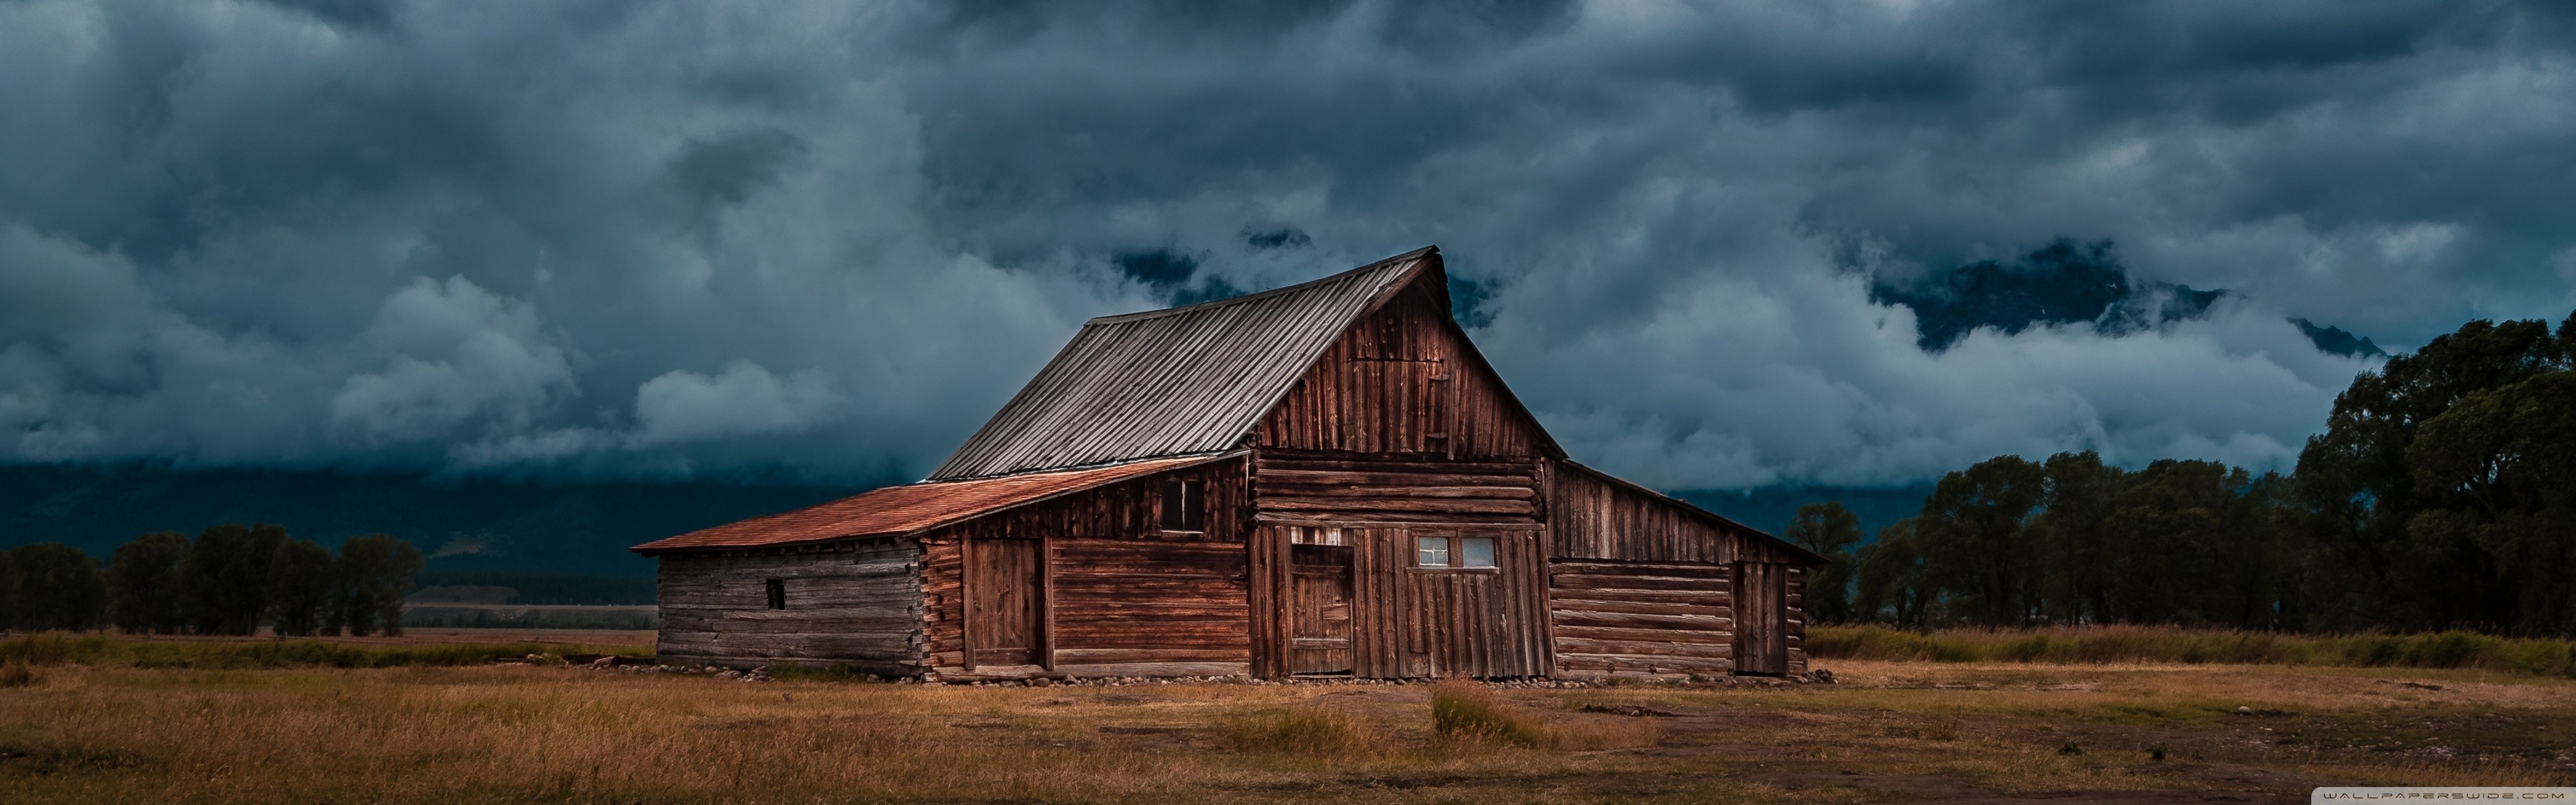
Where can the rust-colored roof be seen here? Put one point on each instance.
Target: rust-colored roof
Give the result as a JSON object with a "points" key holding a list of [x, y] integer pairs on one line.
{"points": [[908, 508]]}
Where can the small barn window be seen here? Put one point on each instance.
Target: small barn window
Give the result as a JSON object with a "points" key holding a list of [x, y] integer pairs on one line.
{"points": [[1184, 505], [1475, 551], [1432, 551], [1448, 552], [777, 593]]}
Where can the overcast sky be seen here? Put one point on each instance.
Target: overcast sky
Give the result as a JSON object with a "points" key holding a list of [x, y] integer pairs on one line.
{"points": [[826, 240]]}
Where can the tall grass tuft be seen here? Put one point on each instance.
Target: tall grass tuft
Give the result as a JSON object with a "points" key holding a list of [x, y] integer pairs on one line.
{"points": [[1307, 730], [1467, 712], [2107, 644], [17, 674], [1463, 710]]}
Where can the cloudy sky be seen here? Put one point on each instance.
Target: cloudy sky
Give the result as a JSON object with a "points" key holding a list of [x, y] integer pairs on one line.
{"points": [[825, 240]]}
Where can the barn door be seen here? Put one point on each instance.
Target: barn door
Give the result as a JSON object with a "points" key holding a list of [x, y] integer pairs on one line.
{"points": [[1319, 609], [1002, 603], [1761, 628]]}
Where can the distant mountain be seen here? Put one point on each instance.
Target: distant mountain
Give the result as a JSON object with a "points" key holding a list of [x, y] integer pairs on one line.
{"points": [[2063, 283], [2336, 341], [555, 543]]}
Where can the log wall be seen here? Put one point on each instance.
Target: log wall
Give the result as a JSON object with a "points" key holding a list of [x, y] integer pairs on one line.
{"points": [[1641, 618], [1643, 585], [1304, 487], [1797, 618], [856, 603]]}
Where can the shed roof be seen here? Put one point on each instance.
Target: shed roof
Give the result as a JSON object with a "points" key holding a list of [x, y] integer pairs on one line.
{"points": [[1178, 381], [1795, 550], [910, 508]]}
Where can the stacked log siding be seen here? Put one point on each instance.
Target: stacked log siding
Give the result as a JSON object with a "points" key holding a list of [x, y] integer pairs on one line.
{"points": [[853, 603]]}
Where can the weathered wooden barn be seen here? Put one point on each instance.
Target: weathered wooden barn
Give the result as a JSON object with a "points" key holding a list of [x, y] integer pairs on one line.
{"points": [[1325, 478]]}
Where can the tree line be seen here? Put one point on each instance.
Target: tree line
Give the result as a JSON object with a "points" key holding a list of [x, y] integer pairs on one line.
{"points": [[2441, 495], [230, 580]]}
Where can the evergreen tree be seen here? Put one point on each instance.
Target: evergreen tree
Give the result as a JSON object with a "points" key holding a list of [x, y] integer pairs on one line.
{"points": [[144, 585]]}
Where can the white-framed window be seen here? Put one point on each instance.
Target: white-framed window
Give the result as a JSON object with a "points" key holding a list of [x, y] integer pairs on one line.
{"points": [[1451, 552]]}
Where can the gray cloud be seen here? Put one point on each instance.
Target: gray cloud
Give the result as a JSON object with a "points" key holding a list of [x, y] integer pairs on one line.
{"points": [[687, 239]]}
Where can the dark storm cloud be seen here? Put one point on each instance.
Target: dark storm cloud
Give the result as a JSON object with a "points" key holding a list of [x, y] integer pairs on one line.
{"points": [[641, 239]]}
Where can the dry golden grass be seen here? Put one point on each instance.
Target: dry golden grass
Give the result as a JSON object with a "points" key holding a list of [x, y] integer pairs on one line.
{"points": [[1917, 731]]}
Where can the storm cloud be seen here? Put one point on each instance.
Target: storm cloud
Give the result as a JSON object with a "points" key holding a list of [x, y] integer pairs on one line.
{"points": [[703, 239]]}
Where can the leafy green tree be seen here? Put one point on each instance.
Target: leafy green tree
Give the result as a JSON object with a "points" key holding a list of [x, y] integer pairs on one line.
{"points": [[144, 585], [374, 573], [1892, 583], [58, 587], [2194, 547], [301, 578], [2076, 552], [2360, 499], [1829, 530], [2497, 470], [1975, 538], [8, 593], [226, 574]]}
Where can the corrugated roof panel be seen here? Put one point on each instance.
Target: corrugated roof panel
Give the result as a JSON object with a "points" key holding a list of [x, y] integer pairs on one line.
{"points": [[1178, 381], [909, 508]]}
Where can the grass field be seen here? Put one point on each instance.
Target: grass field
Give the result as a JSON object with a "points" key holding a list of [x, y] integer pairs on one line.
{"points": [[105, 729]]}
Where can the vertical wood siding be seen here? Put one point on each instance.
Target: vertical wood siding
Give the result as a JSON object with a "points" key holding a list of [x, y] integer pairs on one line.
{"points": [[1761, 634], [1123, 596], [1406, 621], [857, 603], [1403, 379]]}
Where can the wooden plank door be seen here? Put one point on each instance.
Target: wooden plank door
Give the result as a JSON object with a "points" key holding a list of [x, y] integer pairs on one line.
{"points": [[1319, 609], [1003, 603], [1761, 608]]}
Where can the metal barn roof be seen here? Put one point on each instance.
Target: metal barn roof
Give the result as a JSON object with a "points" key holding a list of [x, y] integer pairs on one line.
{"points": [[907, 509], [1179, 381]]}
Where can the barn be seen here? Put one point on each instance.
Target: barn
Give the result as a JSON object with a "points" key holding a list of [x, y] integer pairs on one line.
{"points": [[1322, 479]]}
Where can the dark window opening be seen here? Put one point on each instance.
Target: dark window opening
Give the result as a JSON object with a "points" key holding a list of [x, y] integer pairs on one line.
{"points": [[777, 593], [1184, 506]]}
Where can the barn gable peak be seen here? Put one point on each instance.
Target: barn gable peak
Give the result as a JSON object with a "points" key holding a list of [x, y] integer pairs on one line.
{"points": [[1184, 380]]}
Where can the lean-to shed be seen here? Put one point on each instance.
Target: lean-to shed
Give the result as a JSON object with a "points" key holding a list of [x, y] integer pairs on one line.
{"points": [[1325, 478]]}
